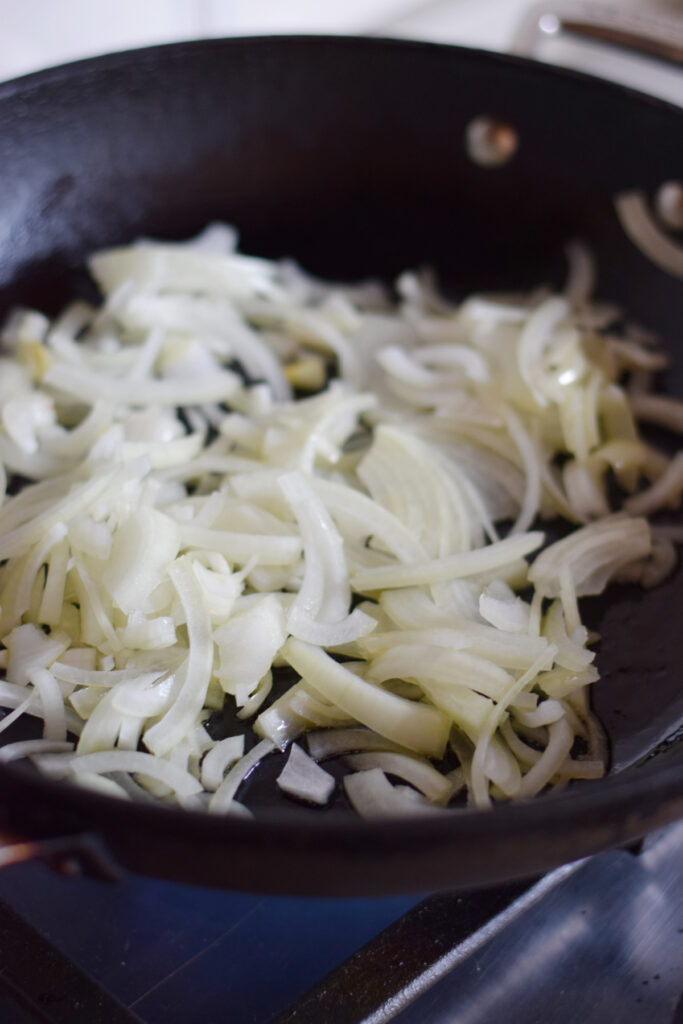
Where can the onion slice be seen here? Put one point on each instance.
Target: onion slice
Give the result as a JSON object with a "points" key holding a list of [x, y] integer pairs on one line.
{"points": [[302, 778], [642, 229], [417, 771], [374, 797], [222, 800], [411, 724]]}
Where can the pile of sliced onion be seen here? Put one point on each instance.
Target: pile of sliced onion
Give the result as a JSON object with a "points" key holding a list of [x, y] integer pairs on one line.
{"points": [[237, 468]]}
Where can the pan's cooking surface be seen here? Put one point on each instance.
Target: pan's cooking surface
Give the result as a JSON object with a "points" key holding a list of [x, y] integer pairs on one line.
{"points": [[350, 156]]}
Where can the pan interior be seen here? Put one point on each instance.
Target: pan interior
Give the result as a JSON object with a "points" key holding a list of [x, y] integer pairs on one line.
{"points": [[331, 154]]}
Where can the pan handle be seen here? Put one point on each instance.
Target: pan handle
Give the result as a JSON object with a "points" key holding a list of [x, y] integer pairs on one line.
{"points": [[649, 35], [82, 853]]}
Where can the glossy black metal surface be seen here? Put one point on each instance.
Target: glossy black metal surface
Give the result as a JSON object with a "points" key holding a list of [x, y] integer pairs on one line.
{"points": [[596, 941], [168, 953], [349, 155], [44, 985], [599, 939]]}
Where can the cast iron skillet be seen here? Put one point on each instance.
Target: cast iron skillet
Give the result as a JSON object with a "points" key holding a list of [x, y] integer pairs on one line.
{"points": [[348, 154]]}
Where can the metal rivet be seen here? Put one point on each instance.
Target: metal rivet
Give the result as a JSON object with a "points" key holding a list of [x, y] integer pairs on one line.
{"points": [[669, 205], [490, 143], [549, 24]]}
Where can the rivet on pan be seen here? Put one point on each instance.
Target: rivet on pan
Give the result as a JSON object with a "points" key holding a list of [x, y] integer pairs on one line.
{"points": [[669, 205], [549, 24], [490, 143]]}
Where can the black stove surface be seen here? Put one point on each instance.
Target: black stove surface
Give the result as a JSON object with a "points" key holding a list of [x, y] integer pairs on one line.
{"points": [[593, 942], [170, 953]]}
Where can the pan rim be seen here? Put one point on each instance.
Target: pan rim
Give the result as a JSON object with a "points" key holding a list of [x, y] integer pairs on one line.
{"points": [[621, 790], [111, 62], [619, 793]]}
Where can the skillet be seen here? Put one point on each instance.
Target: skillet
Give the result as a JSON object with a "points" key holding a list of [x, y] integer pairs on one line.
{"points": [[349, 155]]}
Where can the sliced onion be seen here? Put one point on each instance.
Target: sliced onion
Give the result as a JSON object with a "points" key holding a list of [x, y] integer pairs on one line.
{"points": [[560, 741], [443, 665], [582, 273], [304, 779], [280, 723], [221, 757], [594, 554], [469, 563], [642, 229], [409, 723], [417, 771], [502, 768], [12, 717], [222, 800], [332, 742], [197, 669], [26, 748], [373, 796], [664, 493], [124, 621], [54, 717], [133, 761], [315, 711], [659, 409], [510, 616], [547, 712]]}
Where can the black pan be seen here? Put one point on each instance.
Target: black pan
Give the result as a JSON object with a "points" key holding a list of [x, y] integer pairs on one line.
{"points": [[349, 155]]}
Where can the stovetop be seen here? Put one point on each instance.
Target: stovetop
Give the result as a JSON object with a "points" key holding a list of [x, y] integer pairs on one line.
{"points": [[597, 941]]}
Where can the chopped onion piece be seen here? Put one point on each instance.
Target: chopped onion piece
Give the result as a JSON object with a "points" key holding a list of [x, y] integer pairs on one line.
{"points": [[642, 229], [510, 616], [54, 718], [247, 646], [68, 673], [145, 545], [241, 547], [133, 761], [664, 493], [12, 717], [221, 757], [469, 563], [331, 742], [302, 778], [411, 724], [595, 553], [101, 784], [31, 650], [659, 409], [495, 718], [373, 797], [547, 712], [582, 273], [560, 741], [26, 748], [502, 768], [443, 665], [257, 698], [280, 723], [143, 698], [325, 594], [316, 711], [417, 771], [534, 338], [222, 800], [189, 701]]}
